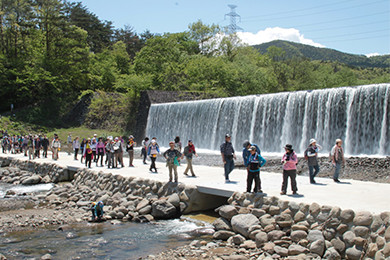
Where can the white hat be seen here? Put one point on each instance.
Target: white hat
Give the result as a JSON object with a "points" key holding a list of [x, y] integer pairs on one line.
{"points": [[313, 141]]}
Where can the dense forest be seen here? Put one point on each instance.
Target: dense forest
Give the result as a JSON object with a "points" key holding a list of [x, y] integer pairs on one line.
{"points": [[52, 52]]}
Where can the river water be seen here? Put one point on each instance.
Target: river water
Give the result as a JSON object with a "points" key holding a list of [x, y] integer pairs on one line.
{"points": [[123, 240]]}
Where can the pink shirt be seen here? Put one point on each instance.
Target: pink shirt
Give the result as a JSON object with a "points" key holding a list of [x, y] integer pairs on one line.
{"points": [[292, 163]]}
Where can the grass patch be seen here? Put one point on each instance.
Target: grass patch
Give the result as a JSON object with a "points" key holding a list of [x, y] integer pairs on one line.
{"points": [[81, 132]]}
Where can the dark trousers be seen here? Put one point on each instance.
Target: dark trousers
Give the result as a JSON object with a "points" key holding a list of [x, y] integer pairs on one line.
{"points": [[153, 164], [292, 174], [229, 166], [313, 173], [94, 156], [76, 150], [88, 160], [45, 152], [249, 180], [143, 154], [100, 155]]}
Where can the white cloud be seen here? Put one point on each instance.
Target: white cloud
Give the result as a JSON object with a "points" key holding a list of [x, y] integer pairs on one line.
{"points": [[372, 54], [276, 33]]}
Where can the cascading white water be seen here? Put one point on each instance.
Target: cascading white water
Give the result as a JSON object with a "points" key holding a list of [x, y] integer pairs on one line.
{"points": [[359, 115]]}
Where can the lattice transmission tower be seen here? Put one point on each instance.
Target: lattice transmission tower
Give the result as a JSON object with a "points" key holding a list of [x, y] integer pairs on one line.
{"points": [[233, 27]]}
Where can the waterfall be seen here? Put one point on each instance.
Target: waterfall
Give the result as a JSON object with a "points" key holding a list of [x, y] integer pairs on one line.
{"points": [[359, 115]]}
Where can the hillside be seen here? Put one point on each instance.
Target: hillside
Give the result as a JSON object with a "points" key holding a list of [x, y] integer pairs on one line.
{"points": [[293, 49]]}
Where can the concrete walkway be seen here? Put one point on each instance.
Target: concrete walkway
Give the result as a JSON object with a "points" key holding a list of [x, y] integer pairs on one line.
{"points": [[349, 194]]}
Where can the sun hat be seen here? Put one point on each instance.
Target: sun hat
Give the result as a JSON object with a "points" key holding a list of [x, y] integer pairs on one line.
{"points": [[313, 141]]}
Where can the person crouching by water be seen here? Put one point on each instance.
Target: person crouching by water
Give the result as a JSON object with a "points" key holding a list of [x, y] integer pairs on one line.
{"points": [[255, 161], [173, 157], [153, 150], [289, 161], [189, 151], [97, 211], [337, 157], [227, 153], [88, 154]]}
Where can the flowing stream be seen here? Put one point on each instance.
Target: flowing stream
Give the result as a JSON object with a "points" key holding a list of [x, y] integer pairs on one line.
{"points": [[358, 115]]}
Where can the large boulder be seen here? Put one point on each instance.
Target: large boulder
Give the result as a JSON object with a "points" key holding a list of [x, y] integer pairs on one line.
{"points": [[162, 209], [35, 179], [242, 222], [222, 224], [228, 212], [363, 218]]}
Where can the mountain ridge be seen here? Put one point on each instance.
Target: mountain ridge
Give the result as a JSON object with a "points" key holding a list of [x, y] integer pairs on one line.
{"points": [[294, 50]]}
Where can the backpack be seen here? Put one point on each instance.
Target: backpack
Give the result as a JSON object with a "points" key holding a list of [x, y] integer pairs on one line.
{"points": [[305, 154]]}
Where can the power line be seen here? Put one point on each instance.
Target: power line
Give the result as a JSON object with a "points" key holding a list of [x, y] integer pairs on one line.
{"points": [[302, 15], [298, 10], [356, 39], [360, 33], [346, 26]]}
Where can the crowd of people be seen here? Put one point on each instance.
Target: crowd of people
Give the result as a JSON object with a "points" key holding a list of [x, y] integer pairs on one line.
{"points": [[253, 161], [109, 152]]}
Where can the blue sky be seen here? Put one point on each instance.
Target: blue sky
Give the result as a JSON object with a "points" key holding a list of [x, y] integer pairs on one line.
{"points": [[352, 26]]}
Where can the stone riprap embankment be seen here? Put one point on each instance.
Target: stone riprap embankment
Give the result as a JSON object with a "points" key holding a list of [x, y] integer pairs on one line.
{"points": [[257, 227], [125, 198]]}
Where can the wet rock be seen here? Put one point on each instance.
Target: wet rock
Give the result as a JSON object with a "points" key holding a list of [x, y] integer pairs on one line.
{"points": [[242, 222], [222, 224], [223, 235], [163, 210], [35, 179]]}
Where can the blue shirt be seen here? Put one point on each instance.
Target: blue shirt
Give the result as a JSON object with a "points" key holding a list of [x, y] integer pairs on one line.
{"points": [[246, 153]]}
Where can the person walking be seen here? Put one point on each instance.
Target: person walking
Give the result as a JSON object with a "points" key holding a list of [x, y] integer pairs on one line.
{"points": [[101, 151], [189, 151], [110, 152], [45, 145], [82, 145], [227, 153], [37, 147], [69, 143], [130, 150], [55, 147], [88, 153], [289, 161], [153, 151], [254, 162], [173, 157], [338, 159], [311, 154], [76, 147], [30, 146], [144, 153], [93, 144]]}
